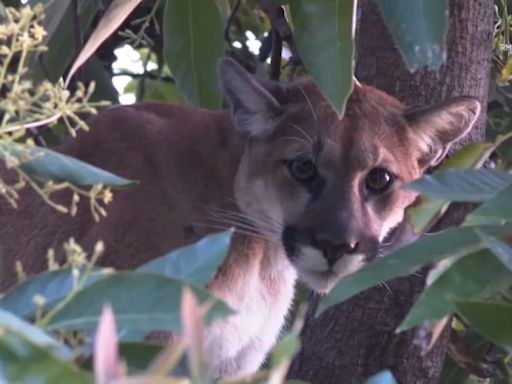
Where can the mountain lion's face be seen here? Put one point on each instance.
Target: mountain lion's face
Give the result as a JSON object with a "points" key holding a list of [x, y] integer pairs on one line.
{"points": [[330, 189]]}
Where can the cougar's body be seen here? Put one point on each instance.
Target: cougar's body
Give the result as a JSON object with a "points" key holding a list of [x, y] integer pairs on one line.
{"points": [[311, 195]]}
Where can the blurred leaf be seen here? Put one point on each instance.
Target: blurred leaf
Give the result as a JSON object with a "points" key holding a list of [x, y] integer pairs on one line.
{"points": [[52, 285], [138, 356], [327, 47], [495, 211], [46, 165], [499, 248], [384, 377], [193, 335], [104, 90], [492, 320], [193, 44], [463, 185], [419, 28], [33, 334], [196, 263], [287, 347], [61, 35], [117, 12], [408, 259], [106, 363], [423, 215], [471, 156], [472, 276], [22, 361], [155, 90], [140, 300]]}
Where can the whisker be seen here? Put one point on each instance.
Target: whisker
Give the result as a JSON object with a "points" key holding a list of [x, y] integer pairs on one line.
{"points": [[387, 287], [308, 138], [308, 101]]}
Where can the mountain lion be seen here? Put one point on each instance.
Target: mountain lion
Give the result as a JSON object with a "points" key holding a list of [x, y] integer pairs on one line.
{"points": [[311, 195]]}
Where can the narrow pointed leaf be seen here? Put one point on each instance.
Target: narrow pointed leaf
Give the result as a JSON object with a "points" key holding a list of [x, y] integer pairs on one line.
{"points": [[500, 249], [495, 211], [116, 13], [463, 184], [419, 28], [33, 334], [193, 45], [22, 361], [492, 320], [52, 285], [196, 263], [384, 377], [45, 164], [324, 33], [106, 363], [471, 156], [60, 40], [140, 300], [472, 276], [408, 259]]}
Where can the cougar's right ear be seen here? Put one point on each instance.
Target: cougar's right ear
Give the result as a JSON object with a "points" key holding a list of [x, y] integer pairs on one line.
{"points": [[255, 111]]}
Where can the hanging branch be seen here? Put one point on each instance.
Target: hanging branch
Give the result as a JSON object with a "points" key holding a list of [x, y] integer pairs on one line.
{"points": [[275, 58], [229, 22], [78, 37], [280, 26]]}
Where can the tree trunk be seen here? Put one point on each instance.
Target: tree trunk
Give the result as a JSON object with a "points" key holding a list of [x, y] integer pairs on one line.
{"points": [[356, 339]]}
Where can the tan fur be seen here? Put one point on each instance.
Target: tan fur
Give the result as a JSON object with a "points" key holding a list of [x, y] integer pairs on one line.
{"points": [[200, 172]]}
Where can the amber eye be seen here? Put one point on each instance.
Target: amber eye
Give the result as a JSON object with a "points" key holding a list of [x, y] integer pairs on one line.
{"points": [[302, 169], [379, 180]]}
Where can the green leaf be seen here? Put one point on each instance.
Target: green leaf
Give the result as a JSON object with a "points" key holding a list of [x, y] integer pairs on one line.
{"points": [[463, 185], [22, 361], [193, 45], [408, 259], [384, 377], [287, 347], [137, 355], [104, 90], [500, 249], [33, 334], [324, 33], [60, 39], [196, 263], [495, 211], [472, 155], [140, 300], [45, 164], [472, 276], [52, 285], [419, 28], [492, 320]]}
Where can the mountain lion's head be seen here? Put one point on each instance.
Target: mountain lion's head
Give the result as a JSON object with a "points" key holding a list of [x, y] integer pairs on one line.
{"points": [[330, 189]]}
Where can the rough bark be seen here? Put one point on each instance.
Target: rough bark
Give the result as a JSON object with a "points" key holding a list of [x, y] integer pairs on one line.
{"points": [[356, 339]]}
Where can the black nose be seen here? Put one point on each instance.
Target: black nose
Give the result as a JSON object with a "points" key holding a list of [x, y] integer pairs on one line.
{"points": [[334, 250]]}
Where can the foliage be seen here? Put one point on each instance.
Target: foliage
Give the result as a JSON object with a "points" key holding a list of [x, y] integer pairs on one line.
{"points": [[53, 317], [24, 107]]}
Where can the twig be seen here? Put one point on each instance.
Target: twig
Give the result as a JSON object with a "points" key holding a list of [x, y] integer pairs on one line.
{"points": [[275, 58], [148, 75], [279, 24], [78, 36], [227, 36]]}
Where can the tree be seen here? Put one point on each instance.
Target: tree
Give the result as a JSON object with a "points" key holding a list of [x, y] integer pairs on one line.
{"points": [[356, 339]]}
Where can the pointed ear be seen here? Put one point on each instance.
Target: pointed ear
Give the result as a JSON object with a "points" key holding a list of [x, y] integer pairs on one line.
{"points": [[255, 111], [436, 128]]}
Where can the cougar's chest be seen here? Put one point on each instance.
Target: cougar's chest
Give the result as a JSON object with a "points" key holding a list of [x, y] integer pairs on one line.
{"points": [[261, 297]]}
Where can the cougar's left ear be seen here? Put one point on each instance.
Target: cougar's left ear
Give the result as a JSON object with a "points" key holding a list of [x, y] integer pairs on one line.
{"points": [[256, 112], [436, 128]]}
